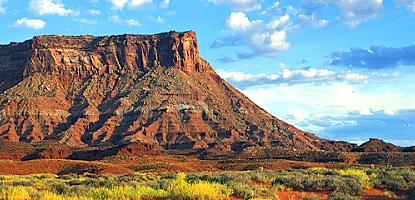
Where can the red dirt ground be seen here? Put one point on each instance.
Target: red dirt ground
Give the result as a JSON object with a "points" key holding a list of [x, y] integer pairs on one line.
{"points": [[57, 166]]}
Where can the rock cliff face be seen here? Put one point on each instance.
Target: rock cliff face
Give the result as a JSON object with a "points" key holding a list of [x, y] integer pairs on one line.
{"points": [[153, 89]]}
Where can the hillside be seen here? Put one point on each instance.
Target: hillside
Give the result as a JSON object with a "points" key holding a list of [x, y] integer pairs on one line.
{"points": [[115, 90]]}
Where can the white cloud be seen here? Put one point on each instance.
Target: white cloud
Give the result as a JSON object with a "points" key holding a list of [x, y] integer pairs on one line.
{"points": [[307, 105], [94, 12], [130, 22], [312, 20], [239, 21], [50, 7], [287, 76], [120, 4], [354, 12], [410, 4], [29, 23], [138, 3], [263, 39], [160, 19], [88, 21], [2, 8], [276, 10], [164, 3], [278, 22], [270, 42], [245, 5]]}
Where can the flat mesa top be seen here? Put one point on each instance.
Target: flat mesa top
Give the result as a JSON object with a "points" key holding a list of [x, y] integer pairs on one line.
{"points": [[187, 34]]}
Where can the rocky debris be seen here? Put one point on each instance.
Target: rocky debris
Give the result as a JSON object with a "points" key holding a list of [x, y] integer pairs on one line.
{"points": [[14, 151], [376, 145], [147, 89], [49, 150]]}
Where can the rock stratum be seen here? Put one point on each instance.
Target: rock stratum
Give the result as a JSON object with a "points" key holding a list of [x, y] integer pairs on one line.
{"points": [[131, 89]]}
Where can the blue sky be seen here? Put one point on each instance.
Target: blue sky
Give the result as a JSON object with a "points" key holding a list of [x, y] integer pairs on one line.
{"points": [[342, 69]]}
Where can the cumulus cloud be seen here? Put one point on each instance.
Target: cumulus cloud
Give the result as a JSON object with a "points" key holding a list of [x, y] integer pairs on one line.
{"points": [[120, 4], [356, 11], [276, 10], [29, 23], [164, 3], [130, 22], [376, 57], [87, 21], [50, 7], [267, 36], [313, 20], [341, 109], [2, 8], [409, 4], [302, 17], [264, 39], [94, 12], [292, 77], [245, 5]]}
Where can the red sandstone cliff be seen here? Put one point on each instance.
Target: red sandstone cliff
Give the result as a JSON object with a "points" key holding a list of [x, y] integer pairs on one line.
{"points": [[154, 89]]}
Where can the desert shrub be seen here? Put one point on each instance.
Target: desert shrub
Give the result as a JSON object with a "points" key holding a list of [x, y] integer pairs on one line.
{"points": [[314, 182], [74, 182], [243, 190], [136, 177], [290, 181], [222, 177], [59, 188], [101, 193], [388, 193], [94, 176], [341, 196], [410, 193], [162, 184], [312, 198], [181, 189], [345, 186], [68, 176], [396, 183], [15, 193], [44, 176], [22, 183], [51, 196], [78, 190], [360, 175], [263, 175], [96, 183], [168, 175]]}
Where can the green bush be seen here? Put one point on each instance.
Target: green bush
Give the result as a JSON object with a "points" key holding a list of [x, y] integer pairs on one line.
{"points": [[345, 186], [341, 196], [59, 188], [15, 193], [312, 198], [181, 189], [360, 175], [410, 193]]}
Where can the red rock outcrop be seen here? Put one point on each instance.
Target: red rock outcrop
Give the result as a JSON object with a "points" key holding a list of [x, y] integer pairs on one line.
{"points": [[376, 145], [149, 89]]}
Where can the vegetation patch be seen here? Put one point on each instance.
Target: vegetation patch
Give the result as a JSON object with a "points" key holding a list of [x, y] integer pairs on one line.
{"points": [[256, 184]]}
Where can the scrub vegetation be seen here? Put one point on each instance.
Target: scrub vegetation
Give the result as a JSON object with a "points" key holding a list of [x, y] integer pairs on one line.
{"points": [[257, 184]]}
